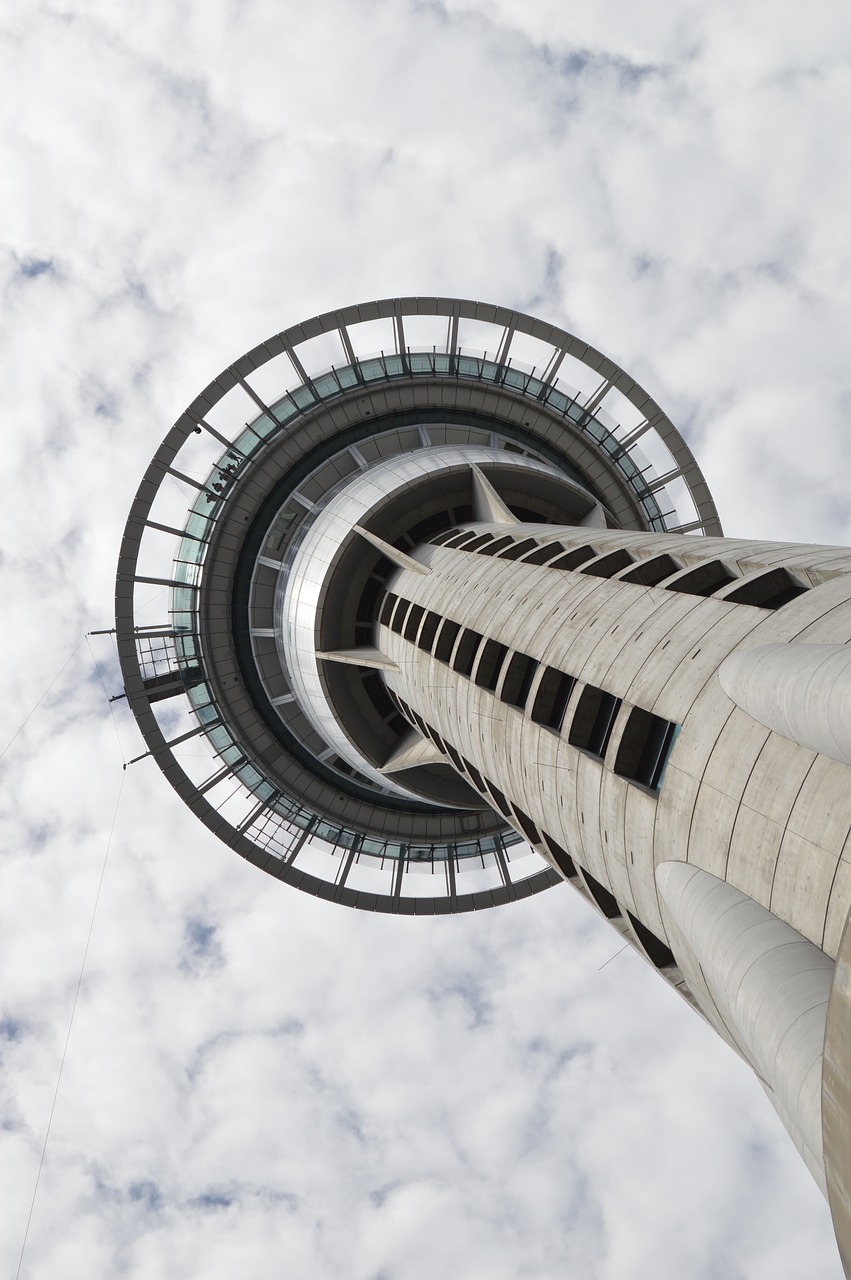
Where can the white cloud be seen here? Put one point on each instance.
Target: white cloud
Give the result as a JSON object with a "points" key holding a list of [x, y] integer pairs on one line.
{"points": [[305, 1089]]}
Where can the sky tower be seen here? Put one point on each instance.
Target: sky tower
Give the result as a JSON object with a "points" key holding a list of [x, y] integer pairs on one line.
{"points": [[452, 611]]}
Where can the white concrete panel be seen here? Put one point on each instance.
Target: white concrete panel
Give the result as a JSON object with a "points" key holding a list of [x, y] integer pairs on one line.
{"points": [[802, 691], [839, 906], [803, 882]]}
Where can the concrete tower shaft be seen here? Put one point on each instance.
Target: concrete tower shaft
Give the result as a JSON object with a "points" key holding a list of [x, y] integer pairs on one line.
{"points": [[441, 643], [588, 706]]}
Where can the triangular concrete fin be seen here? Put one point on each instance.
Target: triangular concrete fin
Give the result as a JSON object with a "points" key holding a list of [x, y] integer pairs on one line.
{"points": [[392, 553], [488, 506], [413, 749], [365, 656], [595, 518]]}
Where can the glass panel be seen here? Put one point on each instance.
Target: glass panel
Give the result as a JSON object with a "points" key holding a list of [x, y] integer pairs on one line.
{"points": [[372, 369], [220, 737], [327, 385], [513, 378], [283, 410], [422, 362], [197, 524], [182, 599], [303, 397]]}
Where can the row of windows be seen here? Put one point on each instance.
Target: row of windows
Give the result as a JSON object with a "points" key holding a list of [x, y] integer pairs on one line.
{"points": [[769, 590], [655, 949], [645, 744]]}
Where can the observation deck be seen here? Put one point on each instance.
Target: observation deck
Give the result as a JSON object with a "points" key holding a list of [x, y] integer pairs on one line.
{"points": [[235, 492]]}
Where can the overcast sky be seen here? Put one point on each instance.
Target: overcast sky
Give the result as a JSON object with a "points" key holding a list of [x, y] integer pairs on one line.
{"points": [[258, 1083]]}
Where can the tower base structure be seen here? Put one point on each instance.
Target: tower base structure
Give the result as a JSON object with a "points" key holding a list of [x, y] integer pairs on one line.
{"points": [[459, 623]]}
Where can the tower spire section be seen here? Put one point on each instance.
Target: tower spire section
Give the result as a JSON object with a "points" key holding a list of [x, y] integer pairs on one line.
{"points": [[434, 616]]}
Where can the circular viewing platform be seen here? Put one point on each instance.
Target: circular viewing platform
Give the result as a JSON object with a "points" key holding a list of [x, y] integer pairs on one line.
{"points": [[232, 493]]}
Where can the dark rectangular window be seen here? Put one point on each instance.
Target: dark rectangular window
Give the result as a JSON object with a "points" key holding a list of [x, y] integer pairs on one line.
{"points": [[465, 654], [526, 825], [552, 698], [604, 898], [703, 580], [458, 539], [446, 638], [494, 548], [573, 559], [400, 613], [647, 573], [480, 541], [769, 590], [424, 529], [654, 948], [644, 748], [519, 549], [474, 775], [562, 858], [428, 630], [455, 758], [541, 555], [412, 622], [608, 566], [498, 798], [387, 609], [518, 680], [420, 723], [490, 664], [443, 537], [594, 720]]}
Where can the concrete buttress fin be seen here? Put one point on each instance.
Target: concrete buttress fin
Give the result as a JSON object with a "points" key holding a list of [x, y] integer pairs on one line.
{"points": [[595, 519], [412, 750], [488, 506], [366, 656], [392, 553]]}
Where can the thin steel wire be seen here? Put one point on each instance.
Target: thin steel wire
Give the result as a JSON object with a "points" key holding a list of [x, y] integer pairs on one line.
{"points": [[41, 699], [108, 701], [70, 1025], [615, 956]]}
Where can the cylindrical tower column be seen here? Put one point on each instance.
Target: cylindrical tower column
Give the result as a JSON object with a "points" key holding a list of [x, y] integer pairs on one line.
{"points": [[458, 623]]}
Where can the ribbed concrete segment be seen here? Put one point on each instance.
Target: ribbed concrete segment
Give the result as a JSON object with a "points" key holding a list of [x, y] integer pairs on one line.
{"points": [[801, 690], [768, 989]]}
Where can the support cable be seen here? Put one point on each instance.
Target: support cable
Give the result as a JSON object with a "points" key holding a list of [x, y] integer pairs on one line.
{"points": [[41, 699], [108, 701], [70, 1024], [615, 956]]}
